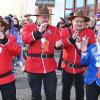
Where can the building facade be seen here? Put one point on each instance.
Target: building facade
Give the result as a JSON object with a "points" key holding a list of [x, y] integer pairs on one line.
{"points": [[90, 7]]}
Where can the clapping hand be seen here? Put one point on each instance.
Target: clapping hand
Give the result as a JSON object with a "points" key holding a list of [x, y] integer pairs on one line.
{"points": [[43, 27], [72, 39], [74, 36], [59, 43], [83, 45]]}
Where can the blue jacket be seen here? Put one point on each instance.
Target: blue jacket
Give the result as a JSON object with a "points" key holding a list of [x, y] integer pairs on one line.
{"points": [[14, 31], [91, 58]]}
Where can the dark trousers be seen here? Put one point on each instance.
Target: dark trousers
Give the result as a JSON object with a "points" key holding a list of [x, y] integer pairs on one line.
{"points": [[60, 60], [49, 82], [67, 81], [92, 91], [8, 91]]}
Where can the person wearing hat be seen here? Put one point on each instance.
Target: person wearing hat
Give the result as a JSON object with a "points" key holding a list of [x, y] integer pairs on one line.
{"points": [[91, 57], [62, 23], [40, 63], [8, 49], [91, 24], [26, 20], [72, 69]]}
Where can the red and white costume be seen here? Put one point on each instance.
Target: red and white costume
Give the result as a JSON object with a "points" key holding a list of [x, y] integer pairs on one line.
{"points": [[39, 64], [70, 53], [7, 53]]}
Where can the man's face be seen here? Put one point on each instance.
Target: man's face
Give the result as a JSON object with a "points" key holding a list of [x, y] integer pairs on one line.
{"points": [[42, 19], [78, 23]]}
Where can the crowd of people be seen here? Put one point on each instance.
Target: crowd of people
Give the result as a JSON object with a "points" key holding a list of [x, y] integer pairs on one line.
{"points": [[34, 43]]}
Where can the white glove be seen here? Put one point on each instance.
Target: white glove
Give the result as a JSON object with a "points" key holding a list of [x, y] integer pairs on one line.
{"points": [[59, 43], [43, 27], [97, 64]]}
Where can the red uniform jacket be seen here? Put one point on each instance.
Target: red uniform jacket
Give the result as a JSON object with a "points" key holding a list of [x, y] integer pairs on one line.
{"points": [[70, 53], [7, 52], [38, 64]]}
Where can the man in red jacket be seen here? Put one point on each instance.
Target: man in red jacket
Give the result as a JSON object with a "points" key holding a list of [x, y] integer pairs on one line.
{"points": [[8, 48], [40, 63], [72, 69]]}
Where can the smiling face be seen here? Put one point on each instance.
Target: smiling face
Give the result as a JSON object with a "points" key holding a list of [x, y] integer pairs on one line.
{"points": [[78, 23]]}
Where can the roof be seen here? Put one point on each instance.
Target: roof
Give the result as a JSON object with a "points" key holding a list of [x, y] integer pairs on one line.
{"points": [[49, 3]]}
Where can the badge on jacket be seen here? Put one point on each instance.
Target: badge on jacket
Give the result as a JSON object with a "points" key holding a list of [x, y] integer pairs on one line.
{"points": [[45, 45]]}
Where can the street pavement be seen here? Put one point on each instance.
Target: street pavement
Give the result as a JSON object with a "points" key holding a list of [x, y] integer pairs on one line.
{"points": [[23, 91]]}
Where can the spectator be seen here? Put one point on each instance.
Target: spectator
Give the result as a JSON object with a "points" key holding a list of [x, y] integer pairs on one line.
{"points": [[26, 20], [62, 23], [91, 24], [65, 24]]}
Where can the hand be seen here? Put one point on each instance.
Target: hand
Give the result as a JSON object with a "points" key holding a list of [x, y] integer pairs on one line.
{"points": [[83, 46], [59, 43], [1, 35], [74, 36], [43, 27]]}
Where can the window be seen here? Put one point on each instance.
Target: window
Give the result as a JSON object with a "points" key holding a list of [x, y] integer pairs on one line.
{"points": [[69, 4], [79, 3], [90, 7], [98, 5], [67, 13]]}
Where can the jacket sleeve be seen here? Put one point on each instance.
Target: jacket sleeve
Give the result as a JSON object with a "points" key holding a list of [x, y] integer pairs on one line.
{"points": [[85, 57], [10, 44], [64, 34], [30, 33]]}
